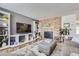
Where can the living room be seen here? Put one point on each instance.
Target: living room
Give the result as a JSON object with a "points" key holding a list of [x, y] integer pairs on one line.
{"points": [[39, 29]]}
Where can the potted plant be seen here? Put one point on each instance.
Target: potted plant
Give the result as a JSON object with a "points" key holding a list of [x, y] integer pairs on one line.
{"points": [[65, 32]]}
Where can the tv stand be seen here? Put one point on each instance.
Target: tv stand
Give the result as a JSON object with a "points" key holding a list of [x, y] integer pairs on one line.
{"points": [[17, 46]]}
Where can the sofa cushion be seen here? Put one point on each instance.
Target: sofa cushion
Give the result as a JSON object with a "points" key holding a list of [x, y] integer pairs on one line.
{"points": [[36, 52]]}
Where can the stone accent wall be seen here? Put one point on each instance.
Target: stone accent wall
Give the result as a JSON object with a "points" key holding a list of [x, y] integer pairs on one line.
{"points": [[50, 24]]}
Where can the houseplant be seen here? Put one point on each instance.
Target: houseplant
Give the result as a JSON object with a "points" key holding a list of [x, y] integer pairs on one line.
{"points": [[65, 32]]}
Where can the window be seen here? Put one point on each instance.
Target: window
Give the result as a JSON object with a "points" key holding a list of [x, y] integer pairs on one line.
{"points": [[77, 28]]}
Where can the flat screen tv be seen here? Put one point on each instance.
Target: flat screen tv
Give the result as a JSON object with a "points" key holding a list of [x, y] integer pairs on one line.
{"points": [[23, 28]]}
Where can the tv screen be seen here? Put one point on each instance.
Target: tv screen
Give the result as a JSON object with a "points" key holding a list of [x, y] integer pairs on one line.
{"points": [[23, 28]]}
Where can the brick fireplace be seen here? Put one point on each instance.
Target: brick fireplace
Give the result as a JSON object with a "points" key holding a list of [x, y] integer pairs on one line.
{"points": [[50, 25]]}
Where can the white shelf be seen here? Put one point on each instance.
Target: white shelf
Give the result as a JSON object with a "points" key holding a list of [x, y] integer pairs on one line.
{"points": [[5, 26], [3, 35]]}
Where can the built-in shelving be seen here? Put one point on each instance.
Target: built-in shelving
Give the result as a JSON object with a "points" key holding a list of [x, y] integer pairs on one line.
{"points": [[4, 28]]}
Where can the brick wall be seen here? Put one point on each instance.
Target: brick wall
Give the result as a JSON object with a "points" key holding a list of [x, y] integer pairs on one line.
{"points": [[50, 24]]}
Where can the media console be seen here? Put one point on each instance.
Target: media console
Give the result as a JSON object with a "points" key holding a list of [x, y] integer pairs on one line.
{"points": [[20, 38], [15, 44]]}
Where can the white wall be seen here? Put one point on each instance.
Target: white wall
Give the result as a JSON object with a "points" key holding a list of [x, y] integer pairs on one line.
{"points": [[72, 20]]}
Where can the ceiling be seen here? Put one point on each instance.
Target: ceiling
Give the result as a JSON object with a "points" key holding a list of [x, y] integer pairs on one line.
{"points": [[41, 10]]}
